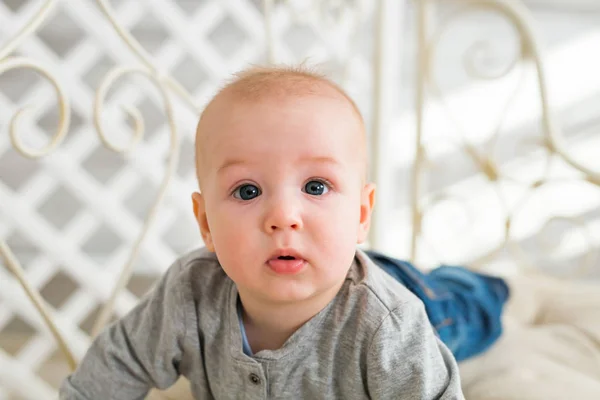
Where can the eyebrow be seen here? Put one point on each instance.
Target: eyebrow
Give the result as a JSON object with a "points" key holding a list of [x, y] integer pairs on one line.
{"points": [[321, 160], [228, 164], [318, 159]]}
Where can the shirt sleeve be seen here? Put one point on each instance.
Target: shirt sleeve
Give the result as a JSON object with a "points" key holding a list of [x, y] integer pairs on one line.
{"points": [[406, 359], [140, 351]]}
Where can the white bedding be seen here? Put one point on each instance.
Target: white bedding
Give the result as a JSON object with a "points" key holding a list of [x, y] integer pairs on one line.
{"points": [[550, 349]]}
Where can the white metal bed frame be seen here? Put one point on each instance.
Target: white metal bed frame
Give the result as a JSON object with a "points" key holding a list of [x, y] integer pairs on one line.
{"points": [[168, 87]]}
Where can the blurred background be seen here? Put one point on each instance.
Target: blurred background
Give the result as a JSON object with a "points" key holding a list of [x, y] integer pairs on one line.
{"points": [[72, 216]]}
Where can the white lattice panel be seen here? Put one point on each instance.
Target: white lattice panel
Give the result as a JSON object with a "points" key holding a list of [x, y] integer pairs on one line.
{"points": [[72, 217]]}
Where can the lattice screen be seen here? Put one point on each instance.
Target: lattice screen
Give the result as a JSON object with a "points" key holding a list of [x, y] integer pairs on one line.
{"points": [[71, 217]]}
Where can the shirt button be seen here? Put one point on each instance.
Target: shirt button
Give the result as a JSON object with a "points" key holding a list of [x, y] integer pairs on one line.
{"points": [[255, 379]]}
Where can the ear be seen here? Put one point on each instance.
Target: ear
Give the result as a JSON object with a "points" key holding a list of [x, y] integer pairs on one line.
{"points": [[200, 214], [367, 202]]}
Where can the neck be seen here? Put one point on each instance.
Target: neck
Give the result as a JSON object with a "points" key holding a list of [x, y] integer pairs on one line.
{"points": [[269, 325]]}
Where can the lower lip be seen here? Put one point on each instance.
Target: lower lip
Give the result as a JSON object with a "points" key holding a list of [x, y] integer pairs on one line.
{"points": [[286, 267]]}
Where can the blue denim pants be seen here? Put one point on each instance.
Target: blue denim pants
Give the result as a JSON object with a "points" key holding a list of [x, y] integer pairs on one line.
{"points": [[463, 306]]}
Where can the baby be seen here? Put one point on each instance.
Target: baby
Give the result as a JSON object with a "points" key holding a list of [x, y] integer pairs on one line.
{"points": [[280, 303]]}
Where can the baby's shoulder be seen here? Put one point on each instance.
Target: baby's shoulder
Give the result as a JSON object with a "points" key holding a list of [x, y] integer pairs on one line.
{"points": [[199, 270], [372, 296], [385, 294], [200, 257]]}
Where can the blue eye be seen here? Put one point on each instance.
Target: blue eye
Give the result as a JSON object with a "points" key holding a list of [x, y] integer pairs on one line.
{"points": [[246, 192], [316, 188]]}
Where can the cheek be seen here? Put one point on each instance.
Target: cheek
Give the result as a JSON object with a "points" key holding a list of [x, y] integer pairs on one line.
{"points": [[336, 240], [338, 223], [235, 240], [229, 226]]}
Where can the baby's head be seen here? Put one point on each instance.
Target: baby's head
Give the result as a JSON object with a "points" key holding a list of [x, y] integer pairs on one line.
{"points": [[281, 163]]}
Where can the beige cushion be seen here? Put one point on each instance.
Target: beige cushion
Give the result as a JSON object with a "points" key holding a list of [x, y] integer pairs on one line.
{"points": [[550, 348]]}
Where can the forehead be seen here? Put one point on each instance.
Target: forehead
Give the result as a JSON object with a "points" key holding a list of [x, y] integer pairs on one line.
{"points": [[293, 125]]}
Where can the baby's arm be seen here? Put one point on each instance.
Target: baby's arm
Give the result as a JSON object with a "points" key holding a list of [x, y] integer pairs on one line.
{"points": [[140, 351], [406, 360]]}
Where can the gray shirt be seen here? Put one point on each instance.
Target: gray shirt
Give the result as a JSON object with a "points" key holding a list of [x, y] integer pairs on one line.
{"points": [[372, 341]]}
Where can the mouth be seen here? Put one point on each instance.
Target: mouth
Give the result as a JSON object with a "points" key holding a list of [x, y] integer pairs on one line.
{"points": [[286, 262]]}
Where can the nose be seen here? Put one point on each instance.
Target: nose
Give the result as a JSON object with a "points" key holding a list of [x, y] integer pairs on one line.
{"points": [[282, 214]]}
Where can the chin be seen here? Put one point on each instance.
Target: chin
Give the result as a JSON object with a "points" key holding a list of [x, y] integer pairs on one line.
{"points": [[298, 294], [290, 295]]}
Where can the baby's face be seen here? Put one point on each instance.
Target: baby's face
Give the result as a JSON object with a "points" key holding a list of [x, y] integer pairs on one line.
{"points": [[283, 200]]}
